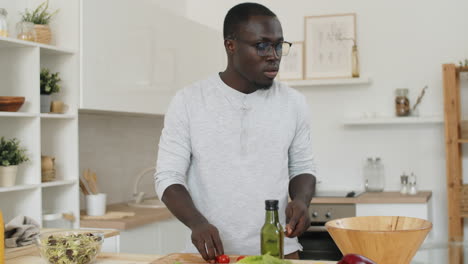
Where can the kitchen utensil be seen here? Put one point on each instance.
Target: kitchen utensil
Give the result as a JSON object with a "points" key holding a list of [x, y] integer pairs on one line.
{"points": [[384, 239], [90, 177], [83, 188], [185, 258], [96, 204], [94, 179], [11, 103]]}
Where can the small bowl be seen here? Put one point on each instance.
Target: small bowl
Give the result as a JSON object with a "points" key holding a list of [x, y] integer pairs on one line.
{"points": [[383, 239], [11, 103], [70, 247]]}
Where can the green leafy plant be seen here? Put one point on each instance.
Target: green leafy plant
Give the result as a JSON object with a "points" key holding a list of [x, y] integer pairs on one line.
{"points": [[40, 15], [461, 64], [49, 82], [11, 153]]}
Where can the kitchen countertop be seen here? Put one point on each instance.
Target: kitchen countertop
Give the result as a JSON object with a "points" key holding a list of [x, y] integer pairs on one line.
{"points": [[145, 216], [377, 198], [142, 217], [122, 258]]}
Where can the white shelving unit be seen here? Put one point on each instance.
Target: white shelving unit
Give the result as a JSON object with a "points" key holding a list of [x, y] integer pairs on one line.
{"points": [[330, 82], [391, 120], [42, 134]]}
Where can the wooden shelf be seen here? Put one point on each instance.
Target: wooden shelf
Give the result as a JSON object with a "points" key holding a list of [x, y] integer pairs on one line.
{"points": [[463, 141], [58, 183], [17, 114], [462, 69], [391, 120], [6, 42], [329, 82], [19, 188]]}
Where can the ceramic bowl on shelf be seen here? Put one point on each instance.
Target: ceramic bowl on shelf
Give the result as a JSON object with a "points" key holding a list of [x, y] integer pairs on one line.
{"points": [[11, 103], [73, 247], [383, 239]]}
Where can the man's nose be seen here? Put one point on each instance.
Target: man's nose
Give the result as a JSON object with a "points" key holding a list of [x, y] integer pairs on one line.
{"points": [[272, 54]]}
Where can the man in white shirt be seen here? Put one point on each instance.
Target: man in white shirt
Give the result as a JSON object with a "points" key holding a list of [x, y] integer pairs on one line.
{"points": [[236, 139]]}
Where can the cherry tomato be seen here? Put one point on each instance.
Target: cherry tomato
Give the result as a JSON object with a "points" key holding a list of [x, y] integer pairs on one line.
{"points": [[222, 259], [239, 258]]}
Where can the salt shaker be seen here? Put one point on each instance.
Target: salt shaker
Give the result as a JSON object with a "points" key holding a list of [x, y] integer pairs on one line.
{"points": [[404, 184], [412, 185]]}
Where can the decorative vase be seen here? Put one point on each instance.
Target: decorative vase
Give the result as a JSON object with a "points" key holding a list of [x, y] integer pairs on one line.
{"points": [[45, 103], [8, 175], [43, 33], [355, 62], [47, 168]]}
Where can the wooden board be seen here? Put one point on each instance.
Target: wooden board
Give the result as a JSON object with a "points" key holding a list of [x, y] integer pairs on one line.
{"points": [[187, 258], [109, 215]]}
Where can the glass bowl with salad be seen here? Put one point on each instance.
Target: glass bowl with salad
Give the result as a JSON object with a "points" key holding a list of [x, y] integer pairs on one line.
{"points": [[70, 247]]}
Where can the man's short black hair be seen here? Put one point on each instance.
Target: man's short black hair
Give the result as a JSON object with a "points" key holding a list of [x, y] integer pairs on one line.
{"points": [[241, 13]]}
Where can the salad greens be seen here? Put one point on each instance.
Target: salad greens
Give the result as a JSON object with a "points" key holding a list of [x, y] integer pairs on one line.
{"points": [[70, 249]]}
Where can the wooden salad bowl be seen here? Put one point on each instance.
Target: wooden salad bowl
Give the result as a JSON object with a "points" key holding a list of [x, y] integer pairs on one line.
{"points": [[11, 103], [383, 239]]}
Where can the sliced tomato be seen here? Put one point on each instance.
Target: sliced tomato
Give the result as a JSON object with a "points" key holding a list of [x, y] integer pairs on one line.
{"points": [[223, 259]]}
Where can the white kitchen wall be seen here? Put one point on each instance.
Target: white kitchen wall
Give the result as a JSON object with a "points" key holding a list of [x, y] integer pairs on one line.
{"points": [[402, 44], [118, 147]]}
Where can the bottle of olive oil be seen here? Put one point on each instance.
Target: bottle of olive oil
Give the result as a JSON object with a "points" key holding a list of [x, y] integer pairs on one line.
{"points": [[272, 235]]}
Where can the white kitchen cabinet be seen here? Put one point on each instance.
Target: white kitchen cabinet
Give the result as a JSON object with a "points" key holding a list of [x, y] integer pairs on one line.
{"points": [[162, 237], [419, 210], [136, 56], [42, 134]]}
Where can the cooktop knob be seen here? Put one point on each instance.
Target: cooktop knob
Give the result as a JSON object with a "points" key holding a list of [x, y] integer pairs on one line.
{"points": [[314, 214], [328, 214]]}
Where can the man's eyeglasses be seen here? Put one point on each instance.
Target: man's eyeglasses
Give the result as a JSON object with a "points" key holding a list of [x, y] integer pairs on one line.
{"points": [[266, 48]]}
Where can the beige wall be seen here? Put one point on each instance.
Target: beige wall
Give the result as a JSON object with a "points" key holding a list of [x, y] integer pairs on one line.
{"points": [[117, 147]]}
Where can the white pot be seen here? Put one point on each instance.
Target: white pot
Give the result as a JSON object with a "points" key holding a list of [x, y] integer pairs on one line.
{"points": [[8, 175], [45, 103]]}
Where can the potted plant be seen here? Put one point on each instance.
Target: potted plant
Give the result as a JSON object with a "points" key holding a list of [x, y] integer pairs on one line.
{"points": [[40, 17], [11, 155], [49, 85]]}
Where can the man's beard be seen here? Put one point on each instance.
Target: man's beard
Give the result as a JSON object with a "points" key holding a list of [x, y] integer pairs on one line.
{"points": [[262, 86]]}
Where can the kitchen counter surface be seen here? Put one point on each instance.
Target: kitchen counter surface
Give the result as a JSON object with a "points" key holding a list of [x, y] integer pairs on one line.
{"points": [[377, 198], [142, 217], [121, 258], [145, 216]]}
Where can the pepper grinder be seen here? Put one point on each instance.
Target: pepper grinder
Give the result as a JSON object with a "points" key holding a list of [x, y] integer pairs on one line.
{"points": [[412, 185], [404, 184]]}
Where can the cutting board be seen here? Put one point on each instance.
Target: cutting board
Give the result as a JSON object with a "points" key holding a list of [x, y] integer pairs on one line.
{"points": [[186, 258]]}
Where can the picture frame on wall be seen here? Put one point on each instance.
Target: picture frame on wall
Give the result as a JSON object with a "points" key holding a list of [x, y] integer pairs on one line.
{"points": [[292, 65], [328, 45]]}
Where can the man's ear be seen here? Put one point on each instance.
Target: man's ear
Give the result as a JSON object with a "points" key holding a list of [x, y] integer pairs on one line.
{"points": [[230, 46]]}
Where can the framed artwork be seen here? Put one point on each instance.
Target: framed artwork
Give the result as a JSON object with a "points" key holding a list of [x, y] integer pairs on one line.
{"points": [[292, 65], [328, 45]]}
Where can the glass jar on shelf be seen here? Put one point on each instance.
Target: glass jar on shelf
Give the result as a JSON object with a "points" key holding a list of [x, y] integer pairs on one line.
{"points": [[402, 103], [3, 23], [26, 31]]}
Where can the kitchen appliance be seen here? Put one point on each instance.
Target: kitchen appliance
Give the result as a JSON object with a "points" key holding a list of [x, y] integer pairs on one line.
{"points": [[316, 241]]}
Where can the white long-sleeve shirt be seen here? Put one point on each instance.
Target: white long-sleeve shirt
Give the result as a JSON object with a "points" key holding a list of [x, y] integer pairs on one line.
{"points": [[232, 151]]}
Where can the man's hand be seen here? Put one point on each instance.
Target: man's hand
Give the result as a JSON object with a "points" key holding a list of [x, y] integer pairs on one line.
{"points": [[297, 218], [205, 237]]}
